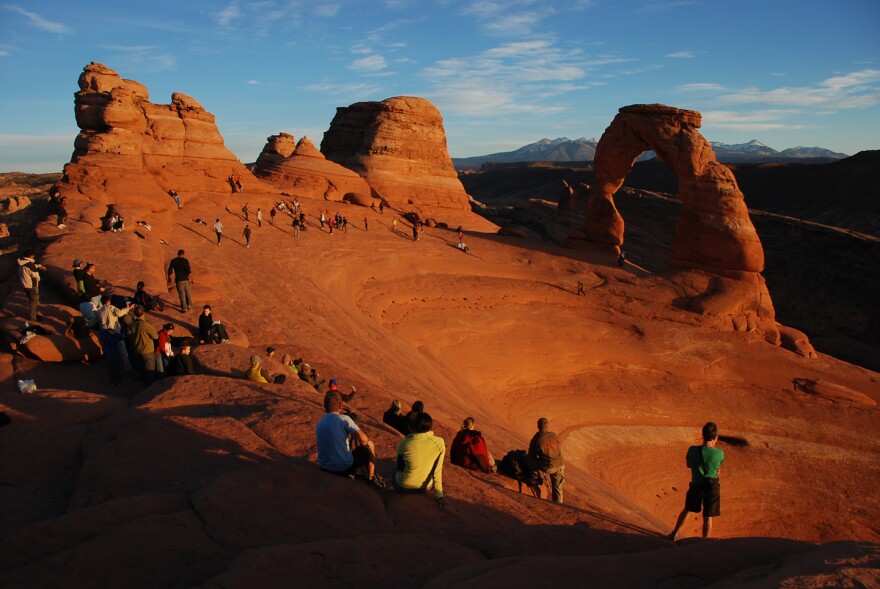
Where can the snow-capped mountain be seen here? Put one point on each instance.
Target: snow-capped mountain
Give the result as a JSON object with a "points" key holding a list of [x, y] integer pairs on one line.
{"points": [[564, 149]]}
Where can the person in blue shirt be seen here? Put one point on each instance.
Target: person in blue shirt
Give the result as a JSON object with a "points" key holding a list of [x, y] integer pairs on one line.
{"points": [[336, 434]]}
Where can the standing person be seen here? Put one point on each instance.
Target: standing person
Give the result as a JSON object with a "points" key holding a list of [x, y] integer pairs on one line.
{"points": [[218, 229], [143, 337], [272, 214], [247, 235], [163, 348], [335, 433], [29, 277], [108, 315], [179, 266], [366, 226], [345, 224], [381, 207], [323, 219], [394, 224], [705, 489], [60, 211], [415, 232], [79, 274], [259, 217], [295, 225], [546, 450], [176, 197], [330, 224], [420, 461], [113, 348], [92, 285], [247, 212], [621, 259]]}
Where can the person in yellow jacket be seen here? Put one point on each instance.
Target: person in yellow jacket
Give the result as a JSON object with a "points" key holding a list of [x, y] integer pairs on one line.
{"points": [[420, 461]]}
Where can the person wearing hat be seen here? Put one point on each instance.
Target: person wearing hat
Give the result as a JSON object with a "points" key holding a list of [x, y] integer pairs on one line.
{"points": [[346, 397], [257, 373]]}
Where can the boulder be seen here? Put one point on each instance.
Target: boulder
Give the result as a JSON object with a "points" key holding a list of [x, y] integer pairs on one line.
{"points": [[14, 203], [399, 146]]}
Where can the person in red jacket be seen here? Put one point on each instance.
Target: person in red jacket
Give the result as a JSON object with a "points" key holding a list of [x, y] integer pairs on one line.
{"points": [[469, 449]]}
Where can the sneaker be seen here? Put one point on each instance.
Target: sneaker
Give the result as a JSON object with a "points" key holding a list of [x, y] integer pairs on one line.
{"points": [[377, 482]]}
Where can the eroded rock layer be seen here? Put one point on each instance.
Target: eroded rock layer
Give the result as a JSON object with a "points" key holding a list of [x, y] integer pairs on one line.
{"points": [[304, 171], [128, 145], [399, 146]]}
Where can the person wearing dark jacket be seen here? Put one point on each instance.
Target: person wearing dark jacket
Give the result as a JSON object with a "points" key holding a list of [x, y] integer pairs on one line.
{"points": [[183, 363], [546, 450], [469, 449], [395, 418], [206, 321]]}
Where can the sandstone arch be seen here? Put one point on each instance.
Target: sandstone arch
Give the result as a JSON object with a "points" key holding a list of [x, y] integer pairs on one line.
{"points": [[714, 232], [714, 236]]}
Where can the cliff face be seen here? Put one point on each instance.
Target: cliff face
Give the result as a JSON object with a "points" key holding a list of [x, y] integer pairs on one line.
{"points": [[128, 145], [399, 146]]}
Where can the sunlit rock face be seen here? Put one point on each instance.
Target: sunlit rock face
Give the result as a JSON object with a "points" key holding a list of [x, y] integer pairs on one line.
{"points": [[399, 146]]}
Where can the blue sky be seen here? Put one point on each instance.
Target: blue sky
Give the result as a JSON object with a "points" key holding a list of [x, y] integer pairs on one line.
{"points": [[503, 73]]}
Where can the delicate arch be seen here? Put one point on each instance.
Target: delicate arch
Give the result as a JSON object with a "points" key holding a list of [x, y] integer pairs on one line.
{"points": [[713, 232]]}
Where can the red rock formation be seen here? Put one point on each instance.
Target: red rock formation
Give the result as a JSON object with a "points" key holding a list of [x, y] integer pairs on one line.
{"points": [[714, 233], [399, 146], [130, 146], [305, 171]]}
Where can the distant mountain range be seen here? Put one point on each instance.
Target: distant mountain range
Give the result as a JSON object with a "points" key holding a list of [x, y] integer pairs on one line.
{"points": [[564, 149]]}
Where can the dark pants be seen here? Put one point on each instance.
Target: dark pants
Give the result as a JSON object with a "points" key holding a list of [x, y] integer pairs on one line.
{"points": [[33, 295], [151, 366], [114, 368], [184, 294]]}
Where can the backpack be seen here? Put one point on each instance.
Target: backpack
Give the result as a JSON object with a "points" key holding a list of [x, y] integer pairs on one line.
{"points": [[518, 465]]}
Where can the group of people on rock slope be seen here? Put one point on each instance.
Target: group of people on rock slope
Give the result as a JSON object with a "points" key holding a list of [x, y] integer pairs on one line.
{"points": [[344, 449]]}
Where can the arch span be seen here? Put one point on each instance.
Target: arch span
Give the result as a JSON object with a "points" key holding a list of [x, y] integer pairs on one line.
{"points": [[713, 235]]}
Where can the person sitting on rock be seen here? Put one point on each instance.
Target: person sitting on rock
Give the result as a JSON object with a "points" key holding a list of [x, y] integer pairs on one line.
{"points": [[420, 461], [183, 363], [145, 300], [257, 373], [343, 448], [206, 320], [395, 418], [78, 275], [469, 449], [346, 397], [417, 407], [288, 362]]}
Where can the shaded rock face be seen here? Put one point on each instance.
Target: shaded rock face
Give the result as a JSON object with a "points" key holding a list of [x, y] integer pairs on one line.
{"points": [[714, 233], [302, 170], [128, 145], [399, 146]]}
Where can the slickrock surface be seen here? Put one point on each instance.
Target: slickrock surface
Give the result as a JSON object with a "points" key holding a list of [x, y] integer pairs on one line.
{"points": [[399, 146]]}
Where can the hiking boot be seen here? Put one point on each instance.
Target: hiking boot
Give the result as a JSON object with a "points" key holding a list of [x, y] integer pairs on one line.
{"points": [[377, 482]]}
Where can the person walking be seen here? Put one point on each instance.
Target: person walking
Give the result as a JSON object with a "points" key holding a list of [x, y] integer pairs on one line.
{"points": [[247, 236], [546, 450], [704, 491], [218, 229], [29, 278], [259, 217], [180, 267], [272, 214], [247, 212], [295, 224], [366, 226]]}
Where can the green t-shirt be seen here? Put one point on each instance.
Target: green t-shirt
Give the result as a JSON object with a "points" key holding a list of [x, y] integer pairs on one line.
{"points": [[712, 460]]}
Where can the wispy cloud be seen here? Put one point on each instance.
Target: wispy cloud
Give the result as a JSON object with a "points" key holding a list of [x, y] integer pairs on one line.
{"points": [[371, 63], [701, 87], [253, 82], [512, 17], [681, 55], [326, 10], [39, 21], [850, 90], [758, 120], [353, 91], [231, 12], [142, 57]]}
